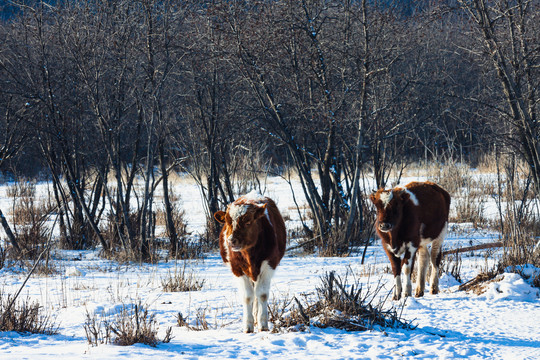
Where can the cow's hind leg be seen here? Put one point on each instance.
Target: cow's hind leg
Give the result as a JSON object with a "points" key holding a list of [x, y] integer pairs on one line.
{"points": [[423, 262], [436, 255], [246, 287], [262, 291]]}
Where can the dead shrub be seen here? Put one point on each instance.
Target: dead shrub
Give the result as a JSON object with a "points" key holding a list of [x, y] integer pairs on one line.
{"points": [[210, 238], [450, 264], [46, 269], [285, 318], [180, 281], [178, 215], [29, 218], [340, 305], [131, 325], [122, 248], [452, 176], [478, 284], [470, 208], [97, 330], [518, 225], [21, 189], [519, 252], [337, 244], [201, 323], [25, 317]]}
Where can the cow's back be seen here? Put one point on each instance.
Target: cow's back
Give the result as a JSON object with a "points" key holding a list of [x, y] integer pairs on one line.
{"points": [[279, 230], [433, 206]]}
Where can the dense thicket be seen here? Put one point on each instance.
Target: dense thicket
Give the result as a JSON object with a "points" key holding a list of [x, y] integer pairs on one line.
{"points": [[97, 94]]}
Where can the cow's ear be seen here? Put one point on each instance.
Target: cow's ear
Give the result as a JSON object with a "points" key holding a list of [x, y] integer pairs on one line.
{"points": [[220, 216], [259, 212], [373, 197]]}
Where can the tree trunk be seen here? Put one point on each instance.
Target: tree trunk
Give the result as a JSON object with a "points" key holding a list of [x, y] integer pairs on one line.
{"points": [[9, 233], [171, 230]]}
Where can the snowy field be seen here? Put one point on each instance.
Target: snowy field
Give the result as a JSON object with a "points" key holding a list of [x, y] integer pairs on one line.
{"points": [[501, 323]]}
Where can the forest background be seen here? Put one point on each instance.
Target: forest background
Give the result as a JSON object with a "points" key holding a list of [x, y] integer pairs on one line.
{"points": [[109, 99]]}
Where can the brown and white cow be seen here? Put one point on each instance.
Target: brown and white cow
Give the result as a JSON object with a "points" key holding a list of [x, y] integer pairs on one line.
{"points": [[408, 220], [252, 242]]}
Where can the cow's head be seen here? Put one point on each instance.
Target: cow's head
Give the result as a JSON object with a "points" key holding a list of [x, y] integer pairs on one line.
{"points": [[241, 225], [389, 204]]}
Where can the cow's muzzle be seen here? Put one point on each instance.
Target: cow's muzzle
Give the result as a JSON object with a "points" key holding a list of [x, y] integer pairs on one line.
{"points": [[234, 244], [385, 227]]}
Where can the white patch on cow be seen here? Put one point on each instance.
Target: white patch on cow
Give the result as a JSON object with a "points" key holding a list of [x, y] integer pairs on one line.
{"points": [[400, 253], [407, 290], [412, 249], [255, 196], [413, 197], [237, 211], [255, 296], [386, 197], [268, 217], [407, 270], [262, 292], [429, 250], [397, 288], [247, 292]]}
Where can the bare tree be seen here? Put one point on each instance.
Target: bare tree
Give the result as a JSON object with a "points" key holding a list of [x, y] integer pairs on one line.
{"points": [[508, 31]]}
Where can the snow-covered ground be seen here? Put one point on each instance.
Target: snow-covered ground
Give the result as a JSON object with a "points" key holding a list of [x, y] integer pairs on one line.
{"points": [[502, 323]]}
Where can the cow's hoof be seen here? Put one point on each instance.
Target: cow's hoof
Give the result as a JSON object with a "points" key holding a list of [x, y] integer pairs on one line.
{"points": [[434, 291], [419, 293], [264, 328], [248, 329]]}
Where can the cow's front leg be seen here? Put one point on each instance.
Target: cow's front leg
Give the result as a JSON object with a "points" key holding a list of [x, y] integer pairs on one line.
{"points": [[407, 264], [262, 291], [395, 262], [246, 288]]}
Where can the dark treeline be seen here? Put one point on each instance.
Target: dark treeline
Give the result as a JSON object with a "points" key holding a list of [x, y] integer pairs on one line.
{"points": [[101, 95]]}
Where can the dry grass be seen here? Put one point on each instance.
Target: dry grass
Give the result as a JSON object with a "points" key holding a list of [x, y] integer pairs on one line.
{"points": [[21, 189], [29, 217], [131, 325], [479, 284], [178, 216], [25, 317], [450, 264], [200, 321], [179, 281]]}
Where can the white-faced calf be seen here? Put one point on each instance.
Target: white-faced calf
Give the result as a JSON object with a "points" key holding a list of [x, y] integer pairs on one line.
{"points": [[252, 242], [409, 219]]}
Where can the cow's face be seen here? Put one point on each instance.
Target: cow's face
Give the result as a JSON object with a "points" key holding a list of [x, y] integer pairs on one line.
{"points": [[389, 204], [241, 227]]}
